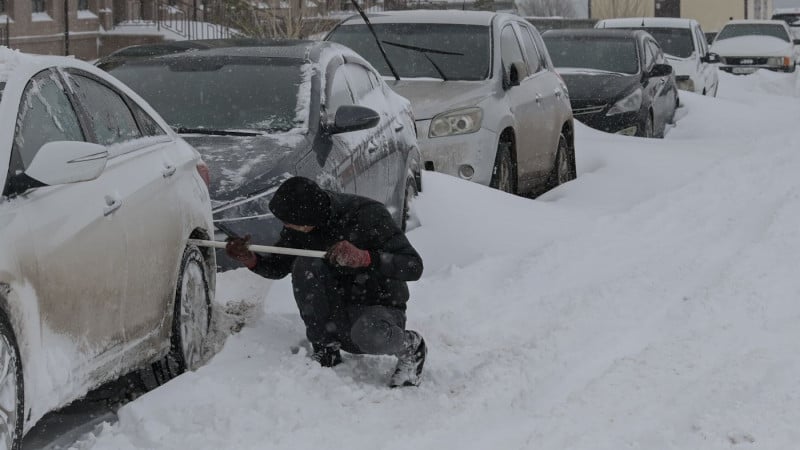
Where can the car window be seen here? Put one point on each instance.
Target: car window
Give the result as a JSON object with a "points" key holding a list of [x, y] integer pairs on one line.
{"points": [[462, 52], [534, 59], [753, 29], [359, 80], [339, 92], [510, 50], [147, 124], [702, 46], [375, 80], [45, 115], [606, 54], [658, 55], [543, 52], [110, 118]]}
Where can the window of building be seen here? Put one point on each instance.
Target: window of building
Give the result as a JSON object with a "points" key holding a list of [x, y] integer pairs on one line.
{"points": [[83, 5], [38, 6], [2, 6]]}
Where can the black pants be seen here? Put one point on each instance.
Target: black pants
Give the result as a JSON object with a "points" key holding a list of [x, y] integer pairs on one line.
{"points": [[373, 330]]}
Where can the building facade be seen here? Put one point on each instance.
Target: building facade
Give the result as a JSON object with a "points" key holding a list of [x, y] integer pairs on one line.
{"points": [[712, 14]]}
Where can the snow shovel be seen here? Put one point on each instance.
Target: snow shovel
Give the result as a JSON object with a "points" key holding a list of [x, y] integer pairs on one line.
{"points": [[262, 249]]}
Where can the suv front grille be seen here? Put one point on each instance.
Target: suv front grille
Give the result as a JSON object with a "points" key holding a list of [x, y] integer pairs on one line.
{"points": [[745, 61]]}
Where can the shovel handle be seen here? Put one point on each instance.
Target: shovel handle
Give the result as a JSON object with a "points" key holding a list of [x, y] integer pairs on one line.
{"points": [[263, 249]]}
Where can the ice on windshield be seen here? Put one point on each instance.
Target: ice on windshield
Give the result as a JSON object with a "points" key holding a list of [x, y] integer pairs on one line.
{"points": [[610, 55], [263, 94], [753, 29], [462, 52]]}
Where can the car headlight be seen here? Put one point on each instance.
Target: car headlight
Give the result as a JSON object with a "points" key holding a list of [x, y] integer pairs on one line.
{"points": [[630, 103], [460, 121], [783, 61]]}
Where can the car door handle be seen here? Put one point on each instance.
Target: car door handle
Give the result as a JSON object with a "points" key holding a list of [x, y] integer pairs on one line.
{"points": [[372, 147], [112, 204], [169, 170], [538, 99], [558, 93], [399, 127]]}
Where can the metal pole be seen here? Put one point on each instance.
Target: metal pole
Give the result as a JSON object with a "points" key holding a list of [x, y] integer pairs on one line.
{"points": [[66, 27]]}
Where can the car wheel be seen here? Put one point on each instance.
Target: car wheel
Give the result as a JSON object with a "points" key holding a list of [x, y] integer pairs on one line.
{"points": [[564, 169], [503, 173], [648, 130], [192, 316], [411, 192], [12, 394]]}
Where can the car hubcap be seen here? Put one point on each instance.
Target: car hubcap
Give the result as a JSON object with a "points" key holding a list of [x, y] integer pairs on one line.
{"points": [[505, 175], [194, 314], [8, 394]]}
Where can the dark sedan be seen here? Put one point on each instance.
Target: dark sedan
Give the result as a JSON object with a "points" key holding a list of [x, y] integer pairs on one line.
{"points": [[618, 80], [262, 112]]}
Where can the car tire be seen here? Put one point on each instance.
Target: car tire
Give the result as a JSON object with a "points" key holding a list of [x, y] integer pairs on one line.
{"points": [[503, 172], [408, 197], [11, 388], [648, 129], [564, 169], [192, 314]]}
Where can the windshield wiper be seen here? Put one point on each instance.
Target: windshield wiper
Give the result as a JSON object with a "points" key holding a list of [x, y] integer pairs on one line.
{"points": [[424, 52], [213, 132]]}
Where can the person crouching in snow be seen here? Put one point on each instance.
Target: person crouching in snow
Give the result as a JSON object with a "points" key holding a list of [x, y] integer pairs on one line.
{"points": [[355, 298]]}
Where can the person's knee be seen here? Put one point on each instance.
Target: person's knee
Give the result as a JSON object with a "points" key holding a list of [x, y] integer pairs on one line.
{"points": [[375, 335]]}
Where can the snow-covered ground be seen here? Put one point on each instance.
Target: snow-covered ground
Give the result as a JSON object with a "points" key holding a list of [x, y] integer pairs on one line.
{"points": [[650, 304]]}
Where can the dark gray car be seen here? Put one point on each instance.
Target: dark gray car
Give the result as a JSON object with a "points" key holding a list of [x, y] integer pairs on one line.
{"points": [[259, 113]]}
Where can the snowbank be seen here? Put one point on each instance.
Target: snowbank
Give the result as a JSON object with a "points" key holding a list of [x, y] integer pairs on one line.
{"points": [[651, 303]]}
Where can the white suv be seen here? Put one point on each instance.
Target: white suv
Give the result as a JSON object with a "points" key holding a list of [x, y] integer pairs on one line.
{"points": [[99, 199], [685, 47]]}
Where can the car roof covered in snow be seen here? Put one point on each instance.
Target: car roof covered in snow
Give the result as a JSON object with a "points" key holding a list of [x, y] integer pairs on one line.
{"points": [[456, 17], [646, 22], [257, 48], [755, 21], [587, 33]]}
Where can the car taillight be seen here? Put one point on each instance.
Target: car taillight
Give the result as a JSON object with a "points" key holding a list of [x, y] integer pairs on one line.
{"points": [[202, 169]]}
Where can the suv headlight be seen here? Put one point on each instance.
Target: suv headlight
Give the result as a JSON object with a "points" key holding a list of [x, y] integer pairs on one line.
{"points": [[783, 61], [460, 121], [630, 103]]}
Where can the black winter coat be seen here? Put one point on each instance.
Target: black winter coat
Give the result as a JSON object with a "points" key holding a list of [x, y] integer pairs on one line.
{"points": [[368, 225]]}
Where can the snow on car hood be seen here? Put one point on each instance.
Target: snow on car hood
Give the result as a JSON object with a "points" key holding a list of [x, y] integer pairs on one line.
{"points": [[597, 85], [240, 166], [752, 46], [430, 97]]}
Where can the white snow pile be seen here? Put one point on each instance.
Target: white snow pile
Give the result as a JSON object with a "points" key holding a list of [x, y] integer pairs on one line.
{"points": [[650, 304]]}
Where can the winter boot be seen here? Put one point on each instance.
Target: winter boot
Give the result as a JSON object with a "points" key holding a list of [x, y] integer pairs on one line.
{"points": [[410, 361], [327, 355]]}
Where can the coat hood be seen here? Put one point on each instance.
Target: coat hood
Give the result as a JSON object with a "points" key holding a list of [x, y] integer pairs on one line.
{"points": [[240, 166], [752, 46], [598, 86], [431, 97]]}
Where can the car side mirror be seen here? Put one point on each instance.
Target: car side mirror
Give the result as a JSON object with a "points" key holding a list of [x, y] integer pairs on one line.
{"points": [[513, 76], [660, 70], [712, 58], [64, 162], [796, 41], [354, 118]]}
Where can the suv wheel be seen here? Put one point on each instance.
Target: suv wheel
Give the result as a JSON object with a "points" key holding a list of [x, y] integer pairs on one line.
{"points": [[564, 169], [12, 394], [503, 173], [411, 192]]}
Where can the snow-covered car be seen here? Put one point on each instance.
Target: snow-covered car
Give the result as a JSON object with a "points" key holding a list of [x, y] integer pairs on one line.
{"points": [[97, 276], [792, 18], [619, 80], [489, 106], [685, 47], [261, 111], [745, 46]]}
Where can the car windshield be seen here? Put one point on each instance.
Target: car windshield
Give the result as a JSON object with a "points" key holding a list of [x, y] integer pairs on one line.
{"points": [[610, 55], [462, 52], [674, 41], [753, 29], [792, 19], [222, 93]]}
